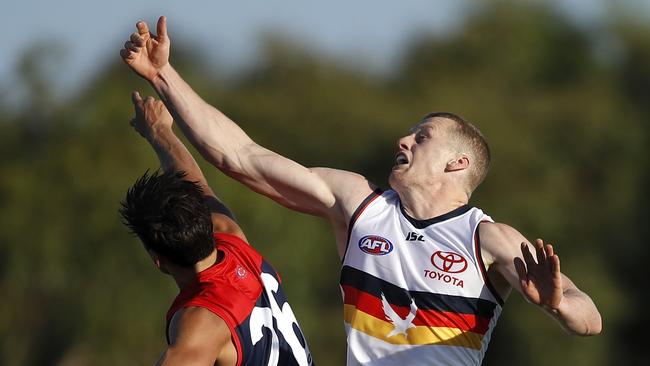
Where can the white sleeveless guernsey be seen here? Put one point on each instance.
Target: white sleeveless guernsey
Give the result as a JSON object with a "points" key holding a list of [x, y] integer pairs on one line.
{"points": [[415, 292]]}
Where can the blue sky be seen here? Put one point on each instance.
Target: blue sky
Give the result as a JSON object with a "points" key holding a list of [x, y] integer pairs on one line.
{"points": [[365, 32]]}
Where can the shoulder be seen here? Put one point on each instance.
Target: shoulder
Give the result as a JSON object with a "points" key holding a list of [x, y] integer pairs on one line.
{"points": [[222, 223], [350, 189], [496, 230], [196, 317], [198, 331], [499, 241]]}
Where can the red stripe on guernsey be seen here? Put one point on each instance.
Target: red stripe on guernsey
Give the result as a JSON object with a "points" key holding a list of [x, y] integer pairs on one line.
{"points": [[362, 207], [366, 202], [371, 305]]}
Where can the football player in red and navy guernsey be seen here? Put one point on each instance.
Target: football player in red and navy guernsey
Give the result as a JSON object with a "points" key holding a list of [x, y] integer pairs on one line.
{"points": [[231, 309]]}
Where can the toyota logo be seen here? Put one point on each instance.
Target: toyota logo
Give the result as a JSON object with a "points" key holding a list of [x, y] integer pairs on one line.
{"points": [[449, 262]]}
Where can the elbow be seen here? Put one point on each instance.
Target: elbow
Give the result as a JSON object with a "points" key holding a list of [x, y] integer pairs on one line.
{"points": [[591, 328], [230, 159], [596, 328]]}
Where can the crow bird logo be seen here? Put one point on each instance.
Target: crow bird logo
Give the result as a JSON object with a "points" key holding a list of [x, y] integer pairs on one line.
{"points": [[400, 325]]}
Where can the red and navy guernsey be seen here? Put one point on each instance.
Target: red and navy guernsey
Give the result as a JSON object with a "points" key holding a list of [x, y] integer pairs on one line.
{"points": [[246, 292]]}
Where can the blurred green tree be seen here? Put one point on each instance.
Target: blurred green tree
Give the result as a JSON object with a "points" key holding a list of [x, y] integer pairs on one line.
{"points": [[567, 125]]}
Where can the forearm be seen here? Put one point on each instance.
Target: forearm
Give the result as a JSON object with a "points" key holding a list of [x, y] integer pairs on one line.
{"points": [[173, 155], [230, 149], [216, 137], [577, 313]]}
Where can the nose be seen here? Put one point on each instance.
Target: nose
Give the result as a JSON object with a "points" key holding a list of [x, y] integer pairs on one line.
{"points": [[405, 142]]}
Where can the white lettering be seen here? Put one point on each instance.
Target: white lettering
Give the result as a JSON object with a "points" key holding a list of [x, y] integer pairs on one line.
{"points": [[372, 244]]}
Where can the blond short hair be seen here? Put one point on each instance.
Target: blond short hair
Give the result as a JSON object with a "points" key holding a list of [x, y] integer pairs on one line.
{"points": [[470, 140]]}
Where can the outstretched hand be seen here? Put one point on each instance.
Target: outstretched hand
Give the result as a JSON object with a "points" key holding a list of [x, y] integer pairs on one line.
{"points": [[541, 280], [151, 116], [146, 53]]}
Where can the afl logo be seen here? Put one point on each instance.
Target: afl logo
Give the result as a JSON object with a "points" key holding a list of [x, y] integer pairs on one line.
{"points": [[449, 262], [375, 245]]}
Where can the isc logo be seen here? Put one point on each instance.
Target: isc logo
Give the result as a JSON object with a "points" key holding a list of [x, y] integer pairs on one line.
{"points": [[375, 245]]}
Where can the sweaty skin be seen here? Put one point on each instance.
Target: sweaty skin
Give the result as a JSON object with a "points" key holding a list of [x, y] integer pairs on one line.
{"points": [[198, 336], [429, 183]]}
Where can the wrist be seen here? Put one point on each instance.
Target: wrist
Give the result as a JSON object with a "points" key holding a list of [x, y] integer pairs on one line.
{"points": [[159, 79], [554, 311], [159, 133]]}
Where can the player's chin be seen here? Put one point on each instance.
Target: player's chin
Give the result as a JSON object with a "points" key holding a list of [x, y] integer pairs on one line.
{"points": [[395, 178]]}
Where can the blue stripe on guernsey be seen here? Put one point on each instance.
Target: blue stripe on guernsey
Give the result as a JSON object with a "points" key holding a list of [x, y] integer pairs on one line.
{"points": [[270, 335], [421, 224], [423, 300]]}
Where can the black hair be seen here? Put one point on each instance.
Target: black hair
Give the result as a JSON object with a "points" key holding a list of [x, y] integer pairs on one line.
{"points": [[170, 216]]}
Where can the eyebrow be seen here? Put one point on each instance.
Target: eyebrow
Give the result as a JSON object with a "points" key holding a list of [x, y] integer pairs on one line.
{"points": [[419, 127]]}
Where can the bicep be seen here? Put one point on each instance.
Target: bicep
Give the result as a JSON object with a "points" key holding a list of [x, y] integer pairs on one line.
{"points": [[317, 191], [502, 244]]}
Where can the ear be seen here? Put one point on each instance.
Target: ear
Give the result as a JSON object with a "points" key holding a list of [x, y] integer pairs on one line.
{"points": [[157, 260], [459, 163]]}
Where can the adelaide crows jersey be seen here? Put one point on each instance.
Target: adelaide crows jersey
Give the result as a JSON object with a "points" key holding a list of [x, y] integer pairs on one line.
{"points": [[245, 291], [415, 291]]}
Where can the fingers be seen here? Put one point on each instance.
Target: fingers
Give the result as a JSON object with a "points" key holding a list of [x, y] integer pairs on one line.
{"points": [[521, 271], [130, 50], [143, 28], [126, 54], [548, 249], [137, 40], [141, 103], [161, 27], [555, 267], [554, 264], [137, 106], [130, 46], [539, 251], [528, 256], [136, 98]]}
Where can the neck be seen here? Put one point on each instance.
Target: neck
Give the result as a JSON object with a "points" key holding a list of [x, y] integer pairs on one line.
{"points": [[423, 204], [184, 276]]}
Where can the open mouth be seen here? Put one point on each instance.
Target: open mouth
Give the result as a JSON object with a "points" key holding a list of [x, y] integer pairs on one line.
{"points": [[401, 159]]}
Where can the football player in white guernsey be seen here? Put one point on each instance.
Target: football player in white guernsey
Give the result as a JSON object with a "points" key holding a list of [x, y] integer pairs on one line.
{"points": [[438, 165]]}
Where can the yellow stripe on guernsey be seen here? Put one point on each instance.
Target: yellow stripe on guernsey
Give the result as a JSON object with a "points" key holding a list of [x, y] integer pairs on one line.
{"points": [[420, 335]]}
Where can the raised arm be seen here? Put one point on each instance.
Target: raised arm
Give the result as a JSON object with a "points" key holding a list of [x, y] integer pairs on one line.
{"points": [[328, 193], [539, 279], [153, 122]]}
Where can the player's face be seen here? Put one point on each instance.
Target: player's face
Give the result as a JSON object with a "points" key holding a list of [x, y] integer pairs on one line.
{"points": [[422, 155]]}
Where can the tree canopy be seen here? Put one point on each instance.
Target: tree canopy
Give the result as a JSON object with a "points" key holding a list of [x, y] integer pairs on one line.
{"points": [[565, 115]]}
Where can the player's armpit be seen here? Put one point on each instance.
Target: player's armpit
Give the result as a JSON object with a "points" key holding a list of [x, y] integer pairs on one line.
{"points": [[198, 337]]}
